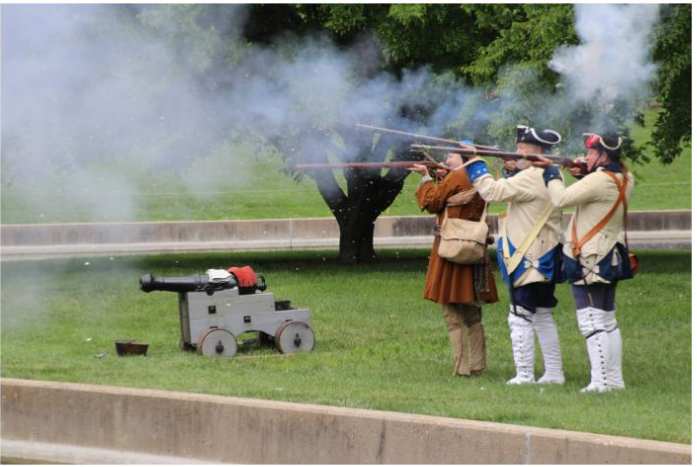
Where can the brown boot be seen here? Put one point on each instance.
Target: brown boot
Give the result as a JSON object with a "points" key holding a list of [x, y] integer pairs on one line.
{"points": [[477, 344], [459, 338], [459, 342]]}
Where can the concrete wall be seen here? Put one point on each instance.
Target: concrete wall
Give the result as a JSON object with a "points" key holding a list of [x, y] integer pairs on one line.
{"points": [[147, 426], [662, 229]]}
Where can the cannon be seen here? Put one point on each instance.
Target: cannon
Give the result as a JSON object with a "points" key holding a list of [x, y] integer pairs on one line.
{"points": [[216, 307]]}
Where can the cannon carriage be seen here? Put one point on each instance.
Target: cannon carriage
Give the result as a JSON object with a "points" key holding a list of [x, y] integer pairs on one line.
{"points": [[217, 307]]}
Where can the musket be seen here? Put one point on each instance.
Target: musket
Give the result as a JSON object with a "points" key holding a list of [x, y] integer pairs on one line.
{"points": [[369, 165], [556, 158], [418, 137]]}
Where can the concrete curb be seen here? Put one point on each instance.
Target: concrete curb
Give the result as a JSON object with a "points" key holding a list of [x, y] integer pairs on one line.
{"points": [[21, 452], [662, 229], [194, 427]]}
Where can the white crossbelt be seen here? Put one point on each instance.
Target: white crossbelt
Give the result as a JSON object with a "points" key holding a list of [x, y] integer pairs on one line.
{"points": [[513, 262]]}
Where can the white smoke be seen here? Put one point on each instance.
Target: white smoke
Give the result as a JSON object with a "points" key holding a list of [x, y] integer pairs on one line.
{"points": [[131, 91], [95, 100], [99, 101], [612, 61], [98, 98]]}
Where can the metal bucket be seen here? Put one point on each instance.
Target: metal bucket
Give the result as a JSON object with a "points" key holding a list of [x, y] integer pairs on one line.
{"points": [[131, 347]]}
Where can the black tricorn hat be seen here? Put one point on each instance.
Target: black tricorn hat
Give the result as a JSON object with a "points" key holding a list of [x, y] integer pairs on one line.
{"points": [[608, 142], [544, 138]]}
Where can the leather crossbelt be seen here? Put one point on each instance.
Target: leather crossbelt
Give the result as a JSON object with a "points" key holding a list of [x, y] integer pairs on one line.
{"points": [[622, 187]]}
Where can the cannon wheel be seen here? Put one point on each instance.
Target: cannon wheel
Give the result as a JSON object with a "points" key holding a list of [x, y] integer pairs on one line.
{"points": [[216, 342], [294, 336]]}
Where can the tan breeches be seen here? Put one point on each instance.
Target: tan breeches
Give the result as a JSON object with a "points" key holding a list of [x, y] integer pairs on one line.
{"points": [[466, 338]]}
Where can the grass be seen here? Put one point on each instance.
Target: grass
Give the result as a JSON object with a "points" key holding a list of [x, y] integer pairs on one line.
{"points": [[659, 186], [251, 186], [379, 345]]}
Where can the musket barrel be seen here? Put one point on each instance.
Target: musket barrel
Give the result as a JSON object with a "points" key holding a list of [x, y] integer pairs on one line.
{"points": [[417, 136], [557, 158], [368, 165]]}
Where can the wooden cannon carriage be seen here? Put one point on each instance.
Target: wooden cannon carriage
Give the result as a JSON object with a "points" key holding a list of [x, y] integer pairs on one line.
{"points": [[217, 307]]}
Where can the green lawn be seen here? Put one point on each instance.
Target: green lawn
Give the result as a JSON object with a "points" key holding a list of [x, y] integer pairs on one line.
{"points": [[239, 183], [659, 186], [379, 345]]}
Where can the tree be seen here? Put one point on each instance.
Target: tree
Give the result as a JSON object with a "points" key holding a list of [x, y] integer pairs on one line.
{"points": [[409, 35], [673, 51], [368, 194], [503, 49]]}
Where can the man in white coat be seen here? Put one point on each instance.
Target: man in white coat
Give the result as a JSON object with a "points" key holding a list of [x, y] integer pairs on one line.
{"points": [[528, 253], [595, 252]]}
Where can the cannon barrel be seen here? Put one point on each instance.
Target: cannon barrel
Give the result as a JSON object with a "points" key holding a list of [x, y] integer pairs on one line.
{"points": [[195, 283]]}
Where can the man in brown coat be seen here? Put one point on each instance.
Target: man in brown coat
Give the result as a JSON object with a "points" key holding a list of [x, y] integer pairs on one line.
{"points": [[460, 289]]}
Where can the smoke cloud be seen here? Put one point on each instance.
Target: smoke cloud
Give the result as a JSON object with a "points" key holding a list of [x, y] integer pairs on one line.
{"points": [[98, 98], [611, 66], [101, 101]]}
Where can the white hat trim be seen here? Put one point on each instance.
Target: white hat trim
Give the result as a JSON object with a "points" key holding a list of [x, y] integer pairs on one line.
{"points": [[602, 142], [544, 140]]}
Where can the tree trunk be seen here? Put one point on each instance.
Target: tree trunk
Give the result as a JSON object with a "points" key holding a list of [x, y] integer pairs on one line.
{"points": [[369, 194], [356, 239]]}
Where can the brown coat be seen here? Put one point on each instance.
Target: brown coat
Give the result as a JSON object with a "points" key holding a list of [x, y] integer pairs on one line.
{"points": [[448, 282]]}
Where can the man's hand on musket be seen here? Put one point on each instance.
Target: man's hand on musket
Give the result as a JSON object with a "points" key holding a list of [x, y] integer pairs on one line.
{"points": [[466, 157], [541, 161], [419, 169], [578, 170], [440, 173], [509, 164]]}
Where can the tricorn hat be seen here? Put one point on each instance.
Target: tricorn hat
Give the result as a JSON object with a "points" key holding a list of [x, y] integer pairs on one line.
{"points": [[608, 142], [544, 138]]}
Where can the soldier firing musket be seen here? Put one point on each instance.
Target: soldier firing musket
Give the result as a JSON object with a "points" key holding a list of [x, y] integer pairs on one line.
{"points": [[528, 249], [460, 287], [596, 253]]}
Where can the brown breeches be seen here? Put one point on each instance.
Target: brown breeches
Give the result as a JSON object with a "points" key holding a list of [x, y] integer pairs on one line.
{"points": [[466, 334]]}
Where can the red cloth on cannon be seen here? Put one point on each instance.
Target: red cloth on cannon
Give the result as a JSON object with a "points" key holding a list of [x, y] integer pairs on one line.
{"points": [[245, 276]]}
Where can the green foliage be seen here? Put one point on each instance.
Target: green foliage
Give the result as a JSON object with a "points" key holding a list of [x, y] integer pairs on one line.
{"points": [[265, 22], [673, 50], [483, 44], [344, 18], [415, 34], [196, 46], [379, 345], [195, 33], [411, 35], [527, 34], [499, 47]]}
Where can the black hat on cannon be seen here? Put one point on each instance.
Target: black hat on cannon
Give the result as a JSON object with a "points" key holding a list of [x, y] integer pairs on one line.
{"points": [[544, 138]]}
